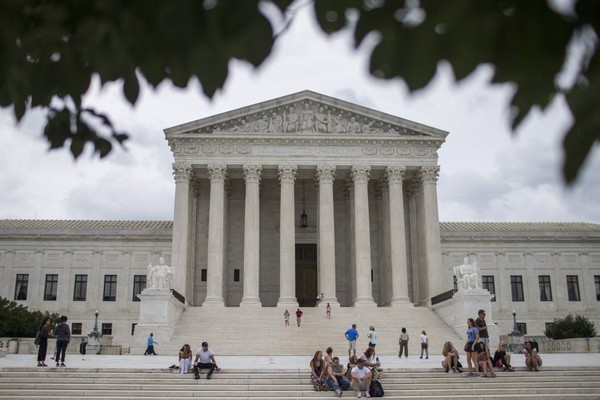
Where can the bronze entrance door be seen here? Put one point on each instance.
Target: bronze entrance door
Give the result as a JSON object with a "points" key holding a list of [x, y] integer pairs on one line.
{"points": [[306, 274]]}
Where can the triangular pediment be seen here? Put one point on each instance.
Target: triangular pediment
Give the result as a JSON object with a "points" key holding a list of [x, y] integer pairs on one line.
{"points": [[306, 113]]}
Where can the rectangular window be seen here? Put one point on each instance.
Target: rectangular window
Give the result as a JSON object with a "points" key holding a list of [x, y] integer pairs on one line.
{"points": [[110, 288], [133, 328], [573, 287], [488, 283], [76, 328], [545, 288], [597, 282], [455, 282], [80, 290], [203, 275], [516, 288], [107, 328], [51, 287], [236, 275], [522, 327], [139, 284], [549, 326], [21, 286]]}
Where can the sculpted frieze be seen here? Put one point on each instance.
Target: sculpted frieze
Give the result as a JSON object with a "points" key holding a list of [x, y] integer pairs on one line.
{"points": [[307, 117]]}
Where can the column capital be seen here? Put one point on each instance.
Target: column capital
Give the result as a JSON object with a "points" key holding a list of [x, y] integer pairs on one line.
{"points": [[287, 173], [252, 173], [182, 172], [217, 173], [360, 173], [325, 173], [429, 174], [395, 173]]}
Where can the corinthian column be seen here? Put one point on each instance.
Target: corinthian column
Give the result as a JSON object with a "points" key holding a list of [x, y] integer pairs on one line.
{"points": [[251, 236], [216, 236], [287, 239], [325, 177], [180, 250], [395, 174], [431, 223], [362, 233]]}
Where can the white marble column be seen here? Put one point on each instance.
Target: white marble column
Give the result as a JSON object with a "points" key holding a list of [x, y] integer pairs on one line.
{"points": [[395, 175], [216, 236], [180, 250], [349, 185], [251, 297], [436, 283], [362, 231], [325, 177], [413, 189], [383, 194], [287, 239]]}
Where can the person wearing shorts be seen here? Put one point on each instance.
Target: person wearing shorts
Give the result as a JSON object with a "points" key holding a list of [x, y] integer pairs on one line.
{"points": [[351, 336]]}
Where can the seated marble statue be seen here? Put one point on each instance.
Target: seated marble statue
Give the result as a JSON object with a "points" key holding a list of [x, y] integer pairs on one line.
{"points": [[161, 275], [467, 275]]}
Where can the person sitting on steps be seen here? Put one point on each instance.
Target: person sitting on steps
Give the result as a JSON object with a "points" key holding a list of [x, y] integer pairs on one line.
{"points": [[207, 360]]}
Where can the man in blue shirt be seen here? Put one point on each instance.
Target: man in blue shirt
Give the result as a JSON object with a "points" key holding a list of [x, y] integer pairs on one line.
{"points": [[351, 336], [151, 343]]}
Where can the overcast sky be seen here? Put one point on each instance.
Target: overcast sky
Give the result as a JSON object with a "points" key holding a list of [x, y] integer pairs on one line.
{"points": [[487, 172]]}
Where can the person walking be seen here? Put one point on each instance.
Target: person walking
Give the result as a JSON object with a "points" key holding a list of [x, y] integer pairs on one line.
{"points": [[372, 337], [63, 337], [403, 342], [150, 342], [328, 311], [424, 345], [43, 349], [351, 336], [286, 318], [299, 314]]}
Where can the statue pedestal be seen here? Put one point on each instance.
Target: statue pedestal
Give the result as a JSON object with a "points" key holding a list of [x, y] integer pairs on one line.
{"points": [[159, 313], [463, 305]]}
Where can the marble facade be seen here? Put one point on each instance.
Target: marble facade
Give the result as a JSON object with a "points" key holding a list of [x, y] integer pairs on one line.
{"points": [[367, 183]]}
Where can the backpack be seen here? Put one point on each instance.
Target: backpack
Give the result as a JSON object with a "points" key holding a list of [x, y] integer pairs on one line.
{"points": [[38, 337], [376, 390]]}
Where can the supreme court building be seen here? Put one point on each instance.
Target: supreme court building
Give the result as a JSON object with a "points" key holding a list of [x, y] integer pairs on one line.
{"points": [[282, 200]]}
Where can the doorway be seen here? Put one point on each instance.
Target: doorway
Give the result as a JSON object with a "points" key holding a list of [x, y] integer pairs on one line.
{"points": [[306, 274]]}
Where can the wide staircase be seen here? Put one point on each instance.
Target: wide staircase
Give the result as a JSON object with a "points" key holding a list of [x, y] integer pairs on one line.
{"points": [[32, 383], [256, 331]]}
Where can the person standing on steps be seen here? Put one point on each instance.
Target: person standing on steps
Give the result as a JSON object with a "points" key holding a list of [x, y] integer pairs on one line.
{"points": [[150, 342], [351, 336], [43, 349], [424, 344], [286, 318], [63, 337], [328, 311], [403, 342], [372, 337], [299, 314], [484, 335]]}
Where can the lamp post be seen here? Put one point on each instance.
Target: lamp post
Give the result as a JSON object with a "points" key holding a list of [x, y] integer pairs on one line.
{"points": [[94, 336]]}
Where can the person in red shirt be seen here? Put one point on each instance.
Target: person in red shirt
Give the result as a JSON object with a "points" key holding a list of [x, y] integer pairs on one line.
{"points": [[299, 314]]}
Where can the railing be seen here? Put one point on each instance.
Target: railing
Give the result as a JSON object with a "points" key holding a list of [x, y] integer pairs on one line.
{"points": [[178, 296], [442, 297]]}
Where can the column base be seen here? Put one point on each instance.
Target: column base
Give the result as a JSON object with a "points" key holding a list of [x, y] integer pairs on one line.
{"points": [[332, 302], [250, 302], [401, 302], [364, 302], [213, 302], [287, 302]]}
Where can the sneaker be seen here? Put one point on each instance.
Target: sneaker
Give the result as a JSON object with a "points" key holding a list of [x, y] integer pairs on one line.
{"points": [[358, 396], [427, 358], [208, 376], [196, 376], [367, 395], [447, 369], [57, 365], [421, 357], [453, 370], [459, 370], [63, 365], [338, 391]]}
